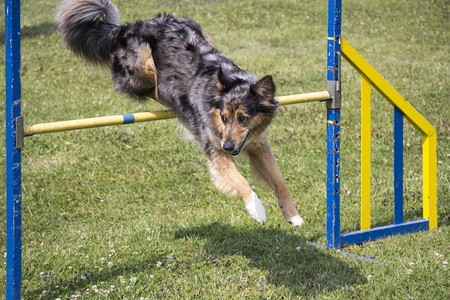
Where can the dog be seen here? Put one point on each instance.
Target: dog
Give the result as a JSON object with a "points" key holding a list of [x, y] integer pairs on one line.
{"points": [[173, 60]]}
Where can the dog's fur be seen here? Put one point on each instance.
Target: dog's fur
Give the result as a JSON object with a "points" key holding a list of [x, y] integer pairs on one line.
{"points": [[173, 61]]}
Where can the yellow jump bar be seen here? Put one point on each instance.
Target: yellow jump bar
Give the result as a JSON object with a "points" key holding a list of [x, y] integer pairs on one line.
{"points": [[146, 116]]}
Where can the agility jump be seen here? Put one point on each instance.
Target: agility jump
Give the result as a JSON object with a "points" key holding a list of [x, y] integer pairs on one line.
{"points": [[147, 116], [16, 130]]}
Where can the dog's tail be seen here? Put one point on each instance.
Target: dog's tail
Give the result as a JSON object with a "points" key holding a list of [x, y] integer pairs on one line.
{"points": [[89, 28]]}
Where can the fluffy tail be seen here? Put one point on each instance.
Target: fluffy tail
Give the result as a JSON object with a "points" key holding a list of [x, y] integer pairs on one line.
{"points": [[89, 28]]}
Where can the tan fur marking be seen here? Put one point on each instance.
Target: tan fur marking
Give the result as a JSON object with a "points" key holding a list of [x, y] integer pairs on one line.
{"points": [[207, 37], [149, 70], [218, 121], [220, 86], [237, 112], [227, 178]]}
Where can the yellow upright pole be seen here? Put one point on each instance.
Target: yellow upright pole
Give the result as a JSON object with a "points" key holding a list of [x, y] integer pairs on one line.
{"points": [[365, 152], [430, 180]]}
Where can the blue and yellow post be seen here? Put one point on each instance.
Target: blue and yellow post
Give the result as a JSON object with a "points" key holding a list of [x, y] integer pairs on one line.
{"points": [[333, 122]]}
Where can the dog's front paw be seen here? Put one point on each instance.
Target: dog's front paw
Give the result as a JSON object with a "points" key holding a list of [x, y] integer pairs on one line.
{"points": [[256, 209], [296, 221]]}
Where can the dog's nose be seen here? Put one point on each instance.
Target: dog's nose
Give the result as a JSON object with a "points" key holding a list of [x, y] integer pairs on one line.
{"points": [[228, 146]]}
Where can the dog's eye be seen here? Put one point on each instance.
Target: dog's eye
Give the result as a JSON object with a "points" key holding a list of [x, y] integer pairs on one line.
{"points": [[242, 119], [224, 119]]}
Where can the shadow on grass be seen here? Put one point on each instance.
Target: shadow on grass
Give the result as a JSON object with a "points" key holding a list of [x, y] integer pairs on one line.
{"points": [[43, 29], [288, 259]]}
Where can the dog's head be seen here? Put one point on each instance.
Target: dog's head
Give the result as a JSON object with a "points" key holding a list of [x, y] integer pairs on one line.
{"points": [[242, 110]]}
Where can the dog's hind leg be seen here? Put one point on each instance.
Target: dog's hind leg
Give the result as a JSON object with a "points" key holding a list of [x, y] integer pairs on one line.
{"points": [[227, 178], [264, 166]]}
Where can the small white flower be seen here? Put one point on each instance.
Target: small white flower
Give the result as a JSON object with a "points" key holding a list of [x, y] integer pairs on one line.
{"points": [[411, 264], [110, 264], [409, 271], [133, 280], [127, 288], [445, 263], [369, 277], [102, 259], [437, 254], [70, 268], [158, 264]]}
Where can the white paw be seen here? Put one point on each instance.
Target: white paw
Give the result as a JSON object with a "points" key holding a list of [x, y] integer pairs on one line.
{"points": [[296, 221], [256, 209]]}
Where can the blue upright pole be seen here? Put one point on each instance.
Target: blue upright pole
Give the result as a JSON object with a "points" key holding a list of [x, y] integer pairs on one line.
{"points": [[333, 178], [398, 166], [333, 123], [13, 152]]}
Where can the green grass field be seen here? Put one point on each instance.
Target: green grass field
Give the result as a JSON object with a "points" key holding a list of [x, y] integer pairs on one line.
{"points": [[129, 212]]}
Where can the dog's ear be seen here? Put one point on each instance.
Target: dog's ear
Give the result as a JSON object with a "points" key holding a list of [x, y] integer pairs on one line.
{"points": [[264, 88], [223, 82], [220, 79]]}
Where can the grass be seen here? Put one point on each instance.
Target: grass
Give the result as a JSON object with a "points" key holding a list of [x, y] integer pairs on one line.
{"points": [[129, 212]]}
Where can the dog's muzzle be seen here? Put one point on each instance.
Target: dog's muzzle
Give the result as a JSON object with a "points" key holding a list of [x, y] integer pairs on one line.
{"points": [[230, 148]]}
